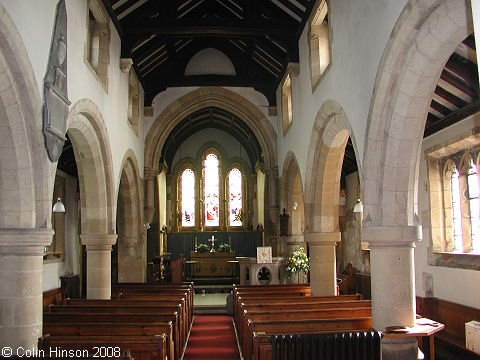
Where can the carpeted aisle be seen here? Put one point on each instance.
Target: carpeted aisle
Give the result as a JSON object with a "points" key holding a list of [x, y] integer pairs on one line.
{"points": [[212, 337]]}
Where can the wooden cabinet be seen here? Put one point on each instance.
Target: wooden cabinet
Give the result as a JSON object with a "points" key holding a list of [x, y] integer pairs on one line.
{"points": [[213, 265]]}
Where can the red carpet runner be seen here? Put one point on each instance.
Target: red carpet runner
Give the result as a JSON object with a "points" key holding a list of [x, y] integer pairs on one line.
{"points": [[212, 337]]}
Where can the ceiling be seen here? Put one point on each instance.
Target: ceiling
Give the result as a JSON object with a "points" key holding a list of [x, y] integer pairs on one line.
{"points": [[212, 117], [456, 94], [260, 37]]}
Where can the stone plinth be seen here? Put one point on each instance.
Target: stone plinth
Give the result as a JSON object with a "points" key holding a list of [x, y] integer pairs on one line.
{"points": [[252, 273]]}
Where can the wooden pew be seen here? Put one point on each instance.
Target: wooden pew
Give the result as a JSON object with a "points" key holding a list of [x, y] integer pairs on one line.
{"points": [[113, 329], [54, 296], [140, 347], [98, 318], [258, 300], [131, 288], [273, 327], [167, 308], [299, 315]]}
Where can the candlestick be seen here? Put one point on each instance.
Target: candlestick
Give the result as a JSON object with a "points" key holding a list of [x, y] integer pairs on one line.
{"points": [[195, 244]]}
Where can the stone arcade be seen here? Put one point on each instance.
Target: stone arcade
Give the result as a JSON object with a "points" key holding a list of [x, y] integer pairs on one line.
{"points": [[176, 130]]}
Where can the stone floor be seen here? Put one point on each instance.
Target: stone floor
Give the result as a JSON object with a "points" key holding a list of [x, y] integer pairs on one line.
{"points": [[215, 299]]}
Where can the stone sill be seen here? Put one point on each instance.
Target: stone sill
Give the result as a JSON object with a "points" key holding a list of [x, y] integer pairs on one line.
{"points": [[458, 260], [52, 257]]}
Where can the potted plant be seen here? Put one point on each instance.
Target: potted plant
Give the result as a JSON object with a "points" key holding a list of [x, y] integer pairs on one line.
{"points": [[297, 262]]}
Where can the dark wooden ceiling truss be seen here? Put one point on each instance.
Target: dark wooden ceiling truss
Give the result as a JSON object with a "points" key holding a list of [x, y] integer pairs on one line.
{"points": [[161, 36], [456, 94]]}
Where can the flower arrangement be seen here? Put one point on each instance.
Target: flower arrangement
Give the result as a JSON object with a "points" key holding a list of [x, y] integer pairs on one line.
{"points": [[224, 248], [202, 248], [297, 261]]}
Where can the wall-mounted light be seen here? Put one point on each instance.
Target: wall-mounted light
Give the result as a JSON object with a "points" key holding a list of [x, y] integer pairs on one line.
{"points": [[358, 208], [58, 207], [295, 205], [146, 226]]}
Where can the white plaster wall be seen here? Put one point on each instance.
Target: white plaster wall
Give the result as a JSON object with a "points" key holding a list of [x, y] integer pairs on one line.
{"points": [[359, 33], [34, 20], [451, 284], [192, 145], [167, 97]]}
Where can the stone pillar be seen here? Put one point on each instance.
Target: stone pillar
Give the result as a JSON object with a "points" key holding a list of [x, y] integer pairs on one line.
{"points": [[150, 175], [130, 265], [393, 284], [99, 264], [21, 292], [323, 271]]}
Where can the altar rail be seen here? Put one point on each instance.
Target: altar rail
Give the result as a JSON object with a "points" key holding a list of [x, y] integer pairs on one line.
{"points": [[243, 243]]}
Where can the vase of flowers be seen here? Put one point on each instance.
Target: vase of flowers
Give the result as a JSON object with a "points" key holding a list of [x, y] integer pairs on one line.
{"points": [[203, 248], [297, 262], [224, 248]]}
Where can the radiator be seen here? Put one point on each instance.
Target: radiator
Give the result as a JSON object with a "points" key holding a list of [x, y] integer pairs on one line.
{"points": [[355, 345]]}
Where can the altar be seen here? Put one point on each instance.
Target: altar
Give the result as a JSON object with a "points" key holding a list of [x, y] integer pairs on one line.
{"points": [[213, 264]]}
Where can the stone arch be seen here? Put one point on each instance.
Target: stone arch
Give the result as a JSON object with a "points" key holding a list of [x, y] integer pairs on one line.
{"points": [[425, 35], [206, 97], [131, 245], [292, 191], [88, 134], [324, 165], [25, 200]]}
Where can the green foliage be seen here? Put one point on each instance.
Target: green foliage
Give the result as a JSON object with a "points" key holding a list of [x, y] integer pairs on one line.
{"points": [[202, 248], [224, 248], [297, 261]]}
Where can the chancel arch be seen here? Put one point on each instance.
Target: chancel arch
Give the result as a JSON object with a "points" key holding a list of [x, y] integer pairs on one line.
{"points": [[88, 135], [131, 249]]}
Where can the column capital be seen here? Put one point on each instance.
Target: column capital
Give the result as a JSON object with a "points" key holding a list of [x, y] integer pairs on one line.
{"points": [[392, 236], [98, 242], [149, 172], [24, 241], [323, 238]]}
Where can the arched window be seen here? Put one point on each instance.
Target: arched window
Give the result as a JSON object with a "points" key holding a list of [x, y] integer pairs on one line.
{"points": [[211, 191], [235, 200], [456, 212], [474, 203], [188, 198]]}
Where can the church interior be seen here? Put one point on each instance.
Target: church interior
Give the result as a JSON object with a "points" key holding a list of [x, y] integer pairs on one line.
{"points": [[152, 150]]}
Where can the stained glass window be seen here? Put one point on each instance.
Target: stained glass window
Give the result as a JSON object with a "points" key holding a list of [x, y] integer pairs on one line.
{"points": [[235, 197], [456, 212], [211, 191], [474, 202], [188, 198]]}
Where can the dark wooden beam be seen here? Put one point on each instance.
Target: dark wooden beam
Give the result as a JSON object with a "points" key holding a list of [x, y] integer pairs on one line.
{"points": [[452, 99], [453, 118], [435, 105], [470, 42], [459, 84], [125, 6], [180, 30], [292, 8], [464, 68]]}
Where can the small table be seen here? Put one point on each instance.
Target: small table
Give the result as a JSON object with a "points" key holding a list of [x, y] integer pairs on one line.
{"points": [[422, 327]]}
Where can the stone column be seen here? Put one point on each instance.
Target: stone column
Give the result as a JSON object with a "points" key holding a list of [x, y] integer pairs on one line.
{"points": [[99, 264], [323, 271], [21, 292], [150, 176], [393, 284], [130, 266]]}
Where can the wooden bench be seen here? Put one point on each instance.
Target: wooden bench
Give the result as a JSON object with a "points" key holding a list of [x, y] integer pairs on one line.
{"points": [[113, 329], [140, 347], [167, 308], [54, 296], [121, 319], [451, 340], [275, 327]]}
